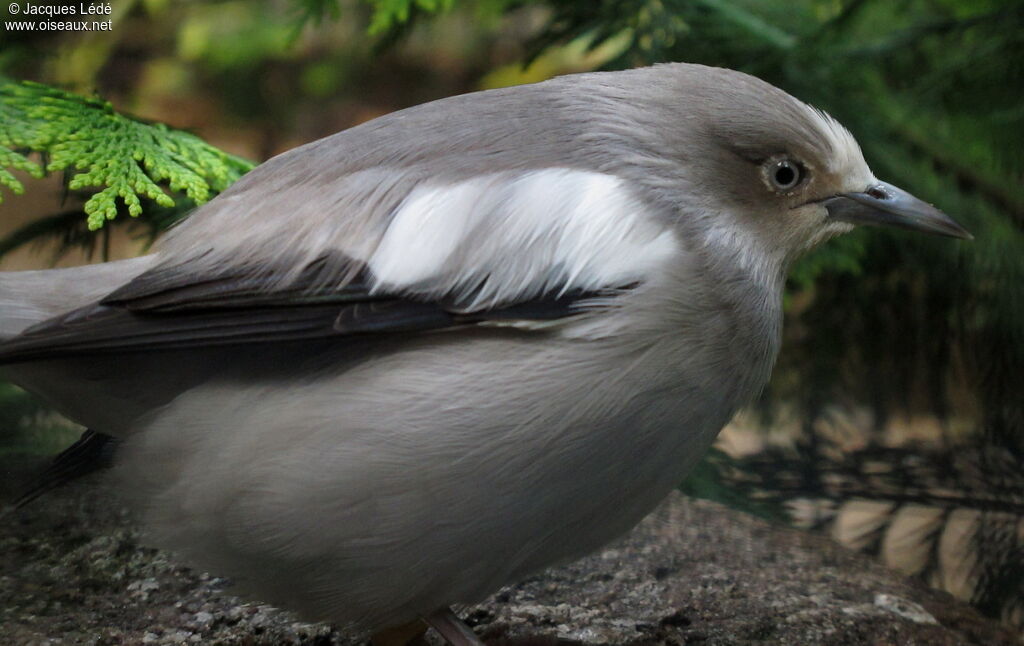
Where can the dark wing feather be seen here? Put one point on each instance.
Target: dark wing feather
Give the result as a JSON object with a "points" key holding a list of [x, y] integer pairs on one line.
{"points": [[164, 312], [92, 452], [175, 288]]}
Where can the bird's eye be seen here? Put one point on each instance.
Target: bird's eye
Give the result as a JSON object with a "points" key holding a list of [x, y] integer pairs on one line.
{"points": [[784, 174]]}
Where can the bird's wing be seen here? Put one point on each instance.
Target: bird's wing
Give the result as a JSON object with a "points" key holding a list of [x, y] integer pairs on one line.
{"points": [[527, 247], [227, 311]]}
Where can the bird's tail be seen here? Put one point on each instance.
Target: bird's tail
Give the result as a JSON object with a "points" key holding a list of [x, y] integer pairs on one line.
{"points": [[30, 297]]}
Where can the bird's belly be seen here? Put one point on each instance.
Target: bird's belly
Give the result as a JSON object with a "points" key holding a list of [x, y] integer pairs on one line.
{"points": [[423, 478]]}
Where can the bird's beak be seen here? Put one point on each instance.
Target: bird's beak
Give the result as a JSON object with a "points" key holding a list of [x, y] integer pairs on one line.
{"points": [[884, 204]]}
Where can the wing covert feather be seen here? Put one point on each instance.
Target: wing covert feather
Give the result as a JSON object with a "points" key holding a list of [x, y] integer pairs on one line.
{"points": [[501, 248]]}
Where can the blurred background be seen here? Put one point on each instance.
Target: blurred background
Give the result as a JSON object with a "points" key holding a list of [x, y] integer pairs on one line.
{"points": [[895, 418]]}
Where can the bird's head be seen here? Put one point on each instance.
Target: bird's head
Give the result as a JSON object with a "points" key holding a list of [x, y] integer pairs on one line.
{"points": [[759, 168]]}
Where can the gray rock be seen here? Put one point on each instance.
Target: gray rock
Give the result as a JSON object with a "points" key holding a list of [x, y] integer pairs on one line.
{"points": [[74, 571]]}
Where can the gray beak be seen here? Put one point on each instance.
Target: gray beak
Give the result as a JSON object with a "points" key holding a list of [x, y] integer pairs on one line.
{"points": [[884, 204]]}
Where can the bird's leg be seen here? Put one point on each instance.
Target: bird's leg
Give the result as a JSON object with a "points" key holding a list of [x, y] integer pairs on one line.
{"points": [[453, 629], [400, 635]]}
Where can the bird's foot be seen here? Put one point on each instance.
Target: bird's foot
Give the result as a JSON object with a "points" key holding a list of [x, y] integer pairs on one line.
{"points": [[453, 629]]}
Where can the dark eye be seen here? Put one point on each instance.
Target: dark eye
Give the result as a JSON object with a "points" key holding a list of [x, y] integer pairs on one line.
{"points": [[784, 174]]}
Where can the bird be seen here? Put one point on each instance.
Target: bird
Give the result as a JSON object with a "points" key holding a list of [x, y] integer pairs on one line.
{"points": [[394, 369]]}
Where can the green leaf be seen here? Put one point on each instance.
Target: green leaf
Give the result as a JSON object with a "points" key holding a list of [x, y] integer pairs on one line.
{"points": [[391, 13], [124, 158]]}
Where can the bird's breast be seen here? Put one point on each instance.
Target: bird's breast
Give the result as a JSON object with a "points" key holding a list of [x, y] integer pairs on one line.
{"points": [[454, 463]]}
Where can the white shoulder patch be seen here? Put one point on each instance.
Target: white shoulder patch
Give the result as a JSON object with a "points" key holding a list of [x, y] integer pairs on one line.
{"points": [[502, 237]]}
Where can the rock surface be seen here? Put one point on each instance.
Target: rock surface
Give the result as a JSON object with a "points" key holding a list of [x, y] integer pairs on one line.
{"points": [[73, 571]]}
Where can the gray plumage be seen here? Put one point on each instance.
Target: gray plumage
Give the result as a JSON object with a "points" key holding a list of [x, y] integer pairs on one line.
{"points": [[399, 367]]}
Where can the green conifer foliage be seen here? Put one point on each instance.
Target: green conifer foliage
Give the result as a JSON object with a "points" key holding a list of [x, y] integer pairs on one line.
{"points": [[126, 159]]}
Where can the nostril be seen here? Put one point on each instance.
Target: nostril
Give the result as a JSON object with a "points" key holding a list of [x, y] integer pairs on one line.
{"points": [[878, 193]]}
